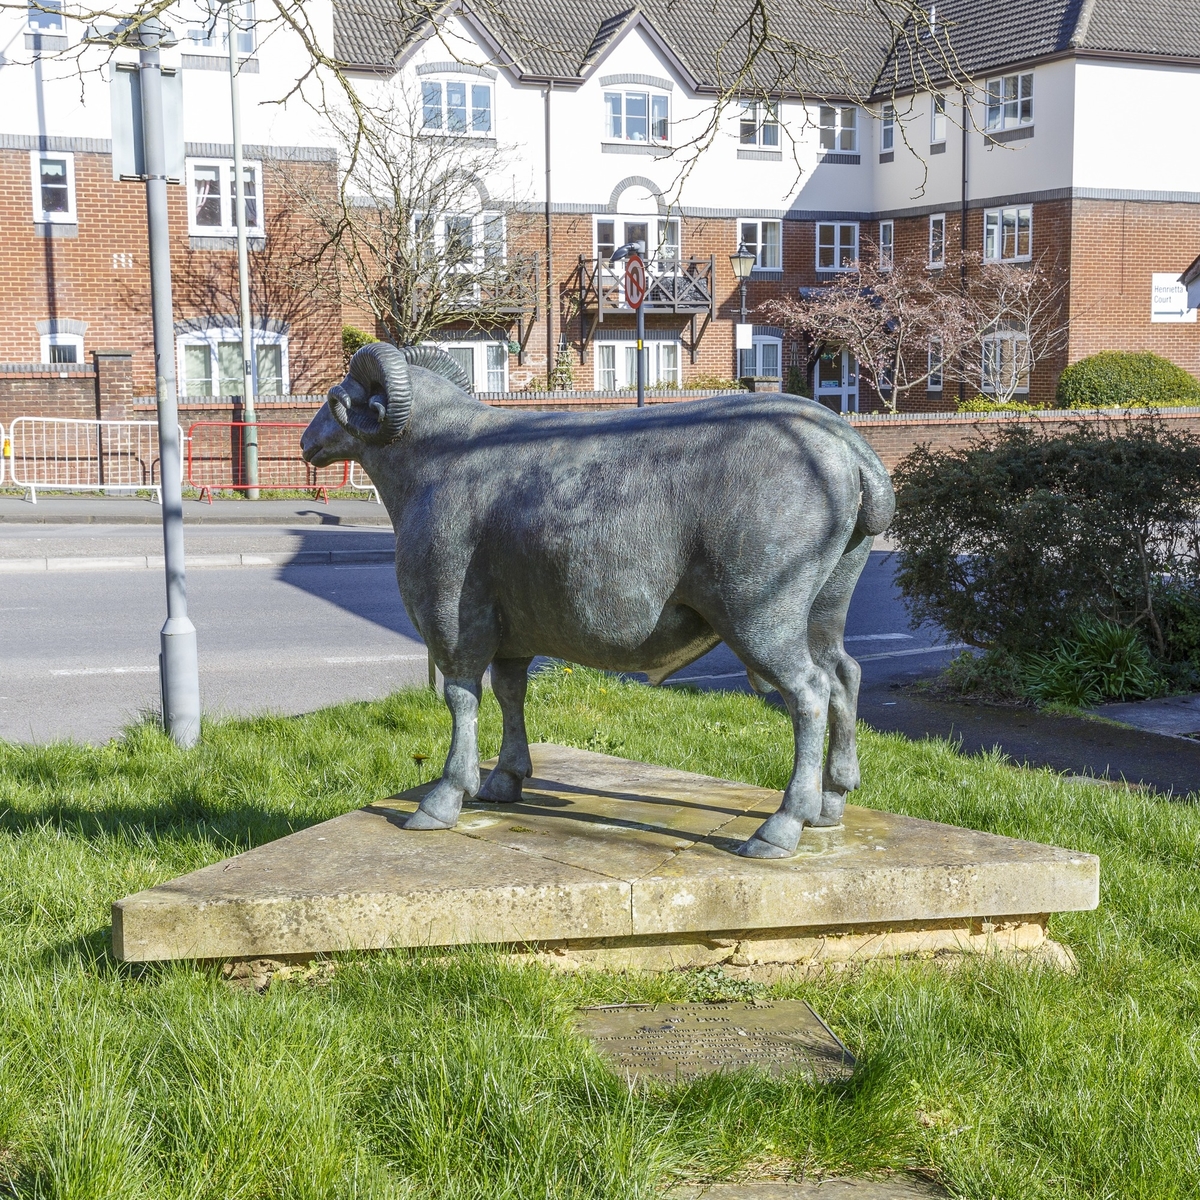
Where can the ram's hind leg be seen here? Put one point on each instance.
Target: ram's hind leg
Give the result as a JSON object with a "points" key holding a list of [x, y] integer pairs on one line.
{"points": [[460, 776], [826, 627], [510, 677]]}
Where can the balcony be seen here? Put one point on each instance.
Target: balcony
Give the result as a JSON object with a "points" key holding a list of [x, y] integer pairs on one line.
{"points": [[498, 293], [686, 288]]}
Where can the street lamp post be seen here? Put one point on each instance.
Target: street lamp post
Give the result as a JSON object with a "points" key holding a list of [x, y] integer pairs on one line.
{"points": [[634, 252], [742, 261]]}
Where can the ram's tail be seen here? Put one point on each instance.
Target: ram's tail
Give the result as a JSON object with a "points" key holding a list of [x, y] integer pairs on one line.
{"points": [[878, 503]]}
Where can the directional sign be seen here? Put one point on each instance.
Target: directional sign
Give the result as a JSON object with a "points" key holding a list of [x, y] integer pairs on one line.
{"points": [[635, 281], [1169, 300]]}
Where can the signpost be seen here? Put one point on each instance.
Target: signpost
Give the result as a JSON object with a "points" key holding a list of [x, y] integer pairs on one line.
{"points": [[635, 293], [1169, 300]]}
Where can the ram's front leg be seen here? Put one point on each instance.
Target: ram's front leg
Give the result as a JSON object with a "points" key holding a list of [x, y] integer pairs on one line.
{"points": [[460, 775]]}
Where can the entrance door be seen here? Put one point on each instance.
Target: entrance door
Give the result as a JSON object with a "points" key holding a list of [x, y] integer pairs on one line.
{"points": [[837, 379]]}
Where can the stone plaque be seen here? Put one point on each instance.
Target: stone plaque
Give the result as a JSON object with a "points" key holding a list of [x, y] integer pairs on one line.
{"points": [[684, 1041]]}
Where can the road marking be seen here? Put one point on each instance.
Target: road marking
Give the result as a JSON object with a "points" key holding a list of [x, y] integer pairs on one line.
{"points": [[878, 637], [107, 671], [859, 658], [378, 658]]}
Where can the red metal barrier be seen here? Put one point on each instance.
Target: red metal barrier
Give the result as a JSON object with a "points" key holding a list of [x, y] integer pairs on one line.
{"points": [[216, 459]]}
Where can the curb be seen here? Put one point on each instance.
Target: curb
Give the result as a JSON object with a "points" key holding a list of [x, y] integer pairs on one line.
{"points": [[144, 562], [155, 519]]}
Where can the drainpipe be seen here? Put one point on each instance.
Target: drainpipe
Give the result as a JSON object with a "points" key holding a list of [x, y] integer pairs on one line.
{"points": [[550, 362], [962, 220]]}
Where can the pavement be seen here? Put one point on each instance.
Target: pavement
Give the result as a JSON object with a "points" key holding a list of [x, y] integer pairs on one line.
{"points": [[296, 607]]}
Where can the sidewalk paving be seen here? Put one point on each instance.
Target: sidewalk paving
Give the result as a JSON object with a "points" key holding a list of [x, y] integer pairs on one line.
{"points": [[123, 510]]}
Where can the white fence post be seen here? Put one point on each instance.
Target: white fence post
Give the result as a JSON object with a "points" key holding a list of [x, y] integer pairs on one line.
{"points": [[360, 483]]}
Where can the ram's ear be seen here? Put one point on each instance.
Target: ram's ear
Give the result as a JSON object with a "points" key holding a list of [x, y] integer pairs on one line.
{"points": [[439, 362], [375, 398]]}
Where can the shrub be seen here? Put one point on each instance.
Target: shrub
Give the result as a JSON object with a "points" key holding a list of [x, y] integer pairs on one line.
{"points": [[354, 339], [1116, 377], [1007, 543], [714, 384], [1099, 661], [987, 404]]}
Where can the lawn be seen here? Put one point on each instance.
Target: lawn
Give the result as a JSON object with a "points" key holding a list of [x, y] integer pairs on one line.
{"points": [[443, 1078]]}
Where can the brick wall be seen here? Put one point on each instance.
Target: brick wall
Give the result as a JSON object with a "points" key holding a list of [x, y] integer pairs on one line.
{"points": [[75, 391]]}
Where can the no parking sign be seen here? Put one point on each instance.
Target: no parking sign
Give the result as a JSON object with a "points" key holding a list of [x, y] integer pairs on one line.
{"points": [[635, 281]]}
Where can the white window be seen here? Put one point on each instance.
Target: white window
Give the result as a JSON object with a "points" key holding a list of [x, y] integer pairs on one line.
{"points": [[45, 16], [62, 348], [616, 365], [1009, 102], [637, 117], [764, 239], [937, 123], [764, 358], [211, 30], [485, 363], [887, 136], [457, 106], [837, 245], [466, 241], [211, 197], [937, 240], [1005, 363], [210, 362], [53, 178], [758, 124], [936, 366], [887, 245], [1008, 234], [839, 127]]}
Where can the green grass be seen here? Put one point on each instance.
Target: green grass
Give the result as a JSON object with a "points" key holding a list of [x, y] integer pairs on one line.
{"points": [[440, 1078]]}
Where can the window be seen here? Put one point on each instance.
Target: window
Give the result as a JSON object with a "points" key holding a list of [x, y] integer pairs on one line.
{"points": [[45, 16], [211, 198], [62, 348], [839, 127], [764, 358], [616, 365], [937, 240], [53, 180], [456, 106], [934, 382], [1005, 363], [212, 33], [485, 363], [1009, 102], [937, 123], [764, 239], [636, 117], [837, 246], [210, 362], [887, 137], [759, 124], [887, 245], [1008, 234]]}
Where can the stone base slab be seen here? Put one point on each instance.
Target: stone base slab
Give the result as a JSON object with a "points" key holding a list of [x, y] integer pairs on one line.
{"points": [[615, 864]]}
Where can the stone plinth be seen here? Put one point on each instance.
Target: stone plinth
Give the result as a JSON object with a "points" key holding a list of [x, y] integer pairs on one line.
{"points": [[614, 863]]}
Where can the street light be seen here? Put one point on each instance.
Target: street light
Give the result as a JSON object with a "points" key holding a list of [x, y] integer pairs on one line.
{"points": [[742, 261], [636, 250]]}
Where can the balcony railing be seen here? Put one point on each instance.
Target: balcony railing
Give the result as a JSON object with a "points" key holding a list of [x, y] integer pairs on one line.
{"points": [[673, 286]]}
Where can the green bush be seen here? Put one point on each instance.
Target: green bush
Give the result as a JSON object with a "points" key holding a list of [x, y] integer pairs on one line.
{"points": [[354, 339], [1008, 543], [987, 404], [1098, 662], [1117, 377]]}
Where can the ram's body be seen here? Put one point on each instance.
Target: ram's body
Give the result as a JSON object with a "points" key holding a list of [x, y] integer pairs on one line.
{"points": [[629, 540]]}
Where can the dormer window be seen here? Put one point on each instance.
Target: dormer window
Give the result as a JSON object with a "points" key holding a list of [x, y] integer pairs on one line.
{"points": [[637, 116], [1009, 102], [456, 106]]}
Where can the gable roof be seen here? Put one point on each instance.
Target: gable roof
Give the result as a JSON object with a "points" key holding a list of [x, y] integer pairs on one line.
{"points": [[814, 47]]}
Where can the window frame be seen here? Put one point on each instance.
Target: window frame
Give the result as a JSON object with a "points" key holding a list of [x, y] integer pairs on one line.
{"points": [[228, 227], [47, 340], [211, 37], [760, 241], [763, 119], [935, 366], [996, 102], [999, 215], [937, 240], [40, 215], [758, 341], [653, 96], [987, 384], [938, 120], [654, 368], [218, 335], [481, 369], [41, 14], [471, 84], [836, 130], [836, 226], [886, 261], [887, 132]]}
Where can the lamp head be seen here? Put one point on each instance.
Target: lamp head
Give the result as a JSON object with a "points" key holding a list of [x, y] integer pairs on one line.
{"points": [[628, 250], [742, 261]]}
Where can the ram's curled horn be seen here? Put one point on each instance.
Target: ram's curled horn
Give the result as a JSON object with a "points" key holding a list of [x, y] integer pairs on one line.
{"points": [[375, 398], [439, 362]]}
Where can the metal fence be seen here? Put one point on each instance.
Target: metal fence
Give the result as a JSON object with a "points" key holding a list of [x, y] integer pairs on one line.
{"points": [[360, 481], [217, 459], [59, 454], [5, 451]]}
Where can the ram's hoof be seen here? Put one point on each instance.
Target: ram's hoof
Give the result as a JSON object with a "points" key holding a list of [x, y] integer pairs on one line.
{"points": [[500, 787], [755, 847], [424, 820]]}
